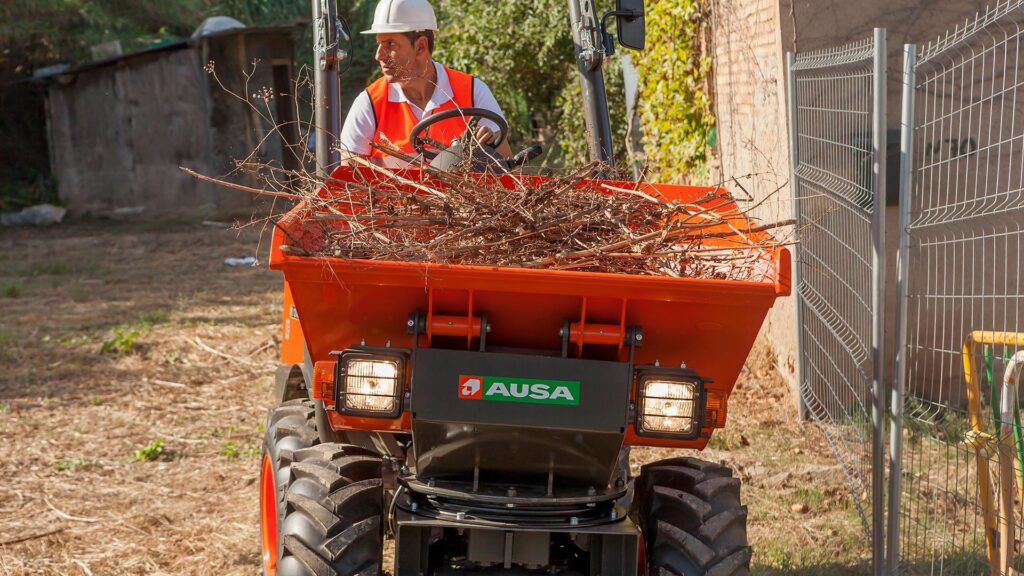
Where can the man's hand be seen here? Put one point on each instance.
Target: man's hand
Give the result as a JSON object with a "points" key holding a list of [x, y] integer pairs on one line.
{"points": [[485, 135]]}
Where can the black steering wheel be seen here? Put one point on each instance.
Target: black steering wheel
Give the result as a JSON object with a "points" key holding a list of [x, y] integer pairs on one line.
{"points": [[420, 143]]}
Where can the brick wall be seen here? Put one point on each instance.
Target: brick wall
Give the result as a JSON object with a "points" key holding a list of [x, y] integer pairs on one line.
{"points": [[750, 109]]}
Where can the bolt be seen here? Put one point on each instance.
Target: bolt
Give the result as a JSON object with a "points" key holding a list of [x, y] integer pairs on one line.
{"points": [[488, 328], [639, 337], [591, 491], [682, 364], [430, 482], [460, 516], [619, 483], [414, 506], [388, 344], [512, 492], [362, 342], [574, 521], [410, 323], [561, 331], [614, 515]]}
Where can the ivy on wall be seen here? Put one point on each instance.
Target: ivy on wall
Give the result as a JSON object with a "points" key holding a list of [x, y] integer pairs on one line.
{"points": [[674, 102]]}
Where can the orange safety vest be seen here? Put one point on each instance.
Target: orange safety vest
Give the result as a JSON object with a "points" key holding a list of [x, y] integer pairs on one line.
{"points": [[395, 119]]}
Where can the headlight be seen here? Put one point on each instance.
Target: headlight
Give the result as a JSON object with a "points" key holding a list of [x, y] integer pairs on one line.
{"points": [[370, 384], [669, 403]]}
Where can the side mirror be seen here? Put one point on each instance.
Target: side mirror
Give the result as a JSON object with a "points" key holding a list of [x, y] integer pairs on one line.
{"points": [[630, 18]]}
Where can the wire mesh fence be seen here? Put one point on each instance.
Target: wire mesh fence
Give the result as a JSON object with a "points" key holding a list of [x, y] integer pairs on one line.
{"points": [[957, 453], [837, 132]]}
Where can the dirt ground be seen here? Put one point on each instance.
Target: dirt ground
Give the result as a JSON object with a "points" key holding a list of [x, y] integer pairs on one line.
{"points": [[135, 372]]}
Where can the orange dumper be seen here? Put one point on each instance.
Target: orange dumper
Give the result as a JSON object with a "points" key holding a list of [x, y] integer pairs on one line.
{"points": [[483, 416]]}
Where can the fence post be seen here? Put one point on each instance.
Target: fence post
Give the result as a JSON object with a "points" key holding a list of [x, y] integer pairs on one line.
{"points": [[794, 184], [902, 268], [878, 305]]}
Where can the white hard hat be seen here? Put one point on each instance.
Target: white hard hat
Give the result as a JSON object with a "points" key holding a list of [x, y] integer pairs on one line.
{"points": [[402, 16]]}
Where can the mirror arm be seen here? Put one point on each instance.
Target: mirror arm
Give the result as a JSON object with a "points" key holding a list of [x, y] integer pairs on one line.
{"points": [[606, 39]]}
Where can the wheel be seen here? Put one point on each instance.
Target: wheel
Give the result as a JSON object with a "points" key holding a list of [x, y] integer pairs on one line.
{"points": [[290, 428], [334, 524], [321, 504], [693, 523]]}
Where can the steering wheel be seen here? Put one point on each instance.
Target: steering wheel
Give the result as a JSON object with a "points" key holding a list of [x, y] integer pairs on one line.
{"points": [[420, 143]]}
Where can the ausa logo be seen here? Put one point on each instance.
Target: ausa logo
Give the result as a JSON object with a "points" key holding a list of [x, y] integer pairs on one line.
{"points": [[471, 387], [529, 390]]}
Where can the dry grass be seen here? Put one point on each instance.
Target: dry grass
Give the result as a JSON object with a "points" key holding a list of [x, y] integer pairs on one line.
{"points": [[72, 418]]}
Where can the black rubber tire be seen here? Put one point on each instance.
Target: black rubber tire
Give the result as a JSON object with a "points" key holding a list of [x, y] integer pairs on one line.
{"points": [[334, 524], [693, 523], [290, 428]]}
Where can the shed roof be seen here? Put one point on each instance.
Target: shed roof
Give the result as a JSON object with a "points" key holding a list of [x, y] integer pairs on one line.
{"points": [[54, 71]]}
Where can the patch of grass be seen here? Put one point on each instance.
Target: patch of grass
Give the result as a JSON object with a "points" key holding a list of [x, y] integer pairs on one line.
{"points": [[125, 335], [94, 401], [75, 340], [233, 450], [13, 291], [727, 439], [123, 340], [56, 268], [814, 498], [148, 319], [4, 408], [79, 294], [149, 452], [70, 464]]}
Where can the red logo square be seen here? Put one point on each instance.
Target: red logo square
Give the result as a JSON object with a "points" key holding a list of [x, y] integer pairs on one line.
{"points": [[471, 387]]}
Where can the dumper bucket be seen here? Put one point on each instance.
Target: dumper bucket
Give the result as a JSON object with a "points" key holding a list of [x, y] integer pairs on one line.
{"points": [[708, 324]]}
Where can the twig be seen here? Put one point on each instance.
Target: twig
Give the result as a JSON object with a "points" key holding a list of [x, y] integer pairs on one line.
{"points": [[84, 567], [33, 536], [65, 516], [199, 342], [234, 186], [167, 384]]}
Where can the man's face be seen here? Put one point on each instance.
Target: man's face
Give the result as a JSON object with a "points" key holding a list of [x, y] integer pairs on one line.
{"points": [[398, 57]]}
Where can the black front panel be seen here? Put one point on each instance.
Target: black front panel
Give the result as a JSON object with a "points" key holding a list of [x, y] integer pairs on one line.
{"points": [[516, 417]]}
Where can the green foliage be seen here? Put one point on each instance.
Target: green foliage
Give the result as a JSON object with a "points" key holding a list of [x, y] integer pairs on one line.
{"points": [[12, 291], [70, 464], [233, 450], [524, 52], [675, 104], [123, 340], [151, 451]]}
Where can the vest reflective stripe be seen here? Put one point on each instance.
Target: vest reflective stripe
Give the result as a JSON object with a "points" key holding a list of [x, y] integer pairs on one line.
{"points": [[395, 119]]}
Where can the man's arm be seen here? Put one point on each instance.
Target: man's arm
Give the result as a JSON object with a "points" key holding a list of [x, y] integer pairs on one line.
{"points": [[358, 131], [487, 131]]}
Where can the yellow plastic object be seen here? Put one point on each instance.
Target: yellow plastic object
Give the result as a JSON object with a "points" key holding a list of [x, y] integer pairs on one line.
{"points": [[1000, 555]]}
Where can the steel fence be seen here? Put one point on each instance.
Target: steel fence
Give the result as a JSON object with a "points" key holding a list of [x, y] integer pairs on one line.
{"points": [[837, 142], [957, 454]]}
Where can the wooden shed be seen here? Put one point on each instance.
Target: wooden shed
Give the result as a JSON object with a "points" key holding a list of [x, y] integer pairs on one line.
{"points": [[120, 128]]}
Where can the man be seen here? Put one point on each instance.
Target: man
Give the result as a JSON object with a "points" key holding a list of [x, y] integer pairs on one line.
{"points": [[413, 87]]}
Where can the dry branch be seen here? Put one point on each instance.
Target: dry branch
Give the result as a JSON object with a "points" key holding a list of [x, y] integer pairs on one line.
{"points": [[568, 221]]}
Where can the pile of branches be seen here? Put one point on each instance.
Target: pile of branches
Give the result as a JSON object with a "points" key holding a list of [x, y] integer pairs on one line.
{"points": [[576, 220], [573, 221]]}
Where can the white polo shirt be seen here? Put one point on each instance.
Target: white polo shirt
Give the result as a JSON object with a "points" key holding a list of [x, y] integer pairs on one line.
{"points": [[361, 123]]}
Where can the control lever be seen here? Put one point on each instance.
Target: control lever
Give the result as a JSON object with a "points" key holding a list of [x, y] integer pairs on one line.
{"points": [[524, 157]]}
